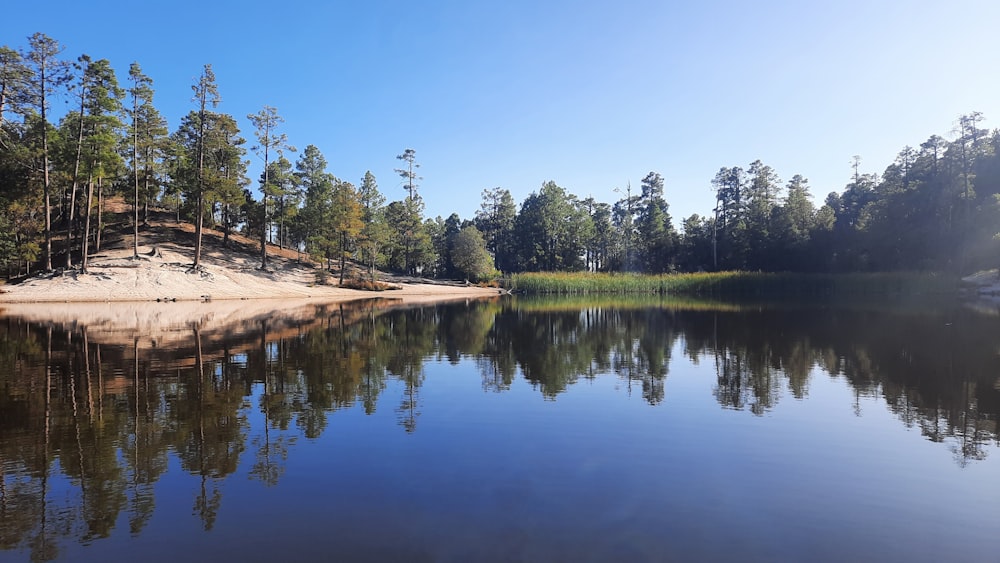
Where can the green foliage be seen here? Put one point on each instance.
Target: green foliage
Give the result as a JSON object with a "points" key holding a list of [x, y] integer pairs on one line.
{"points": [[375, 232], [469, 255], [409, 172], [313, 222], [221, 176], [346, 220], [552, 228], [657, 237], [412, 246], [280, 188], [495, 220], [8, 242], [735, 284], [149, 135]]}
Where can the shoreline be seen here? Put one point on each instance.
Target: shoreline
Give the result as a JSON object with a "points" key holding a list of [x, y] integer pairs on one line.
{"points": [[166, 275], [406, 293], [122, 322]]}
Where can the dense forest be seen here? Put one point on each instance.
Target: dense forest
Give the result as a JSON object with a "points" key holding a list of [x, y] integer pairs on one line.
{"points": [[935, 208]]}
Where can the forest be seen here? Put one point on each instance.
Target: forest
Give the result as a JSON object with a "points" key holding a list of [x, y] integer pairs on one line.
{"points": [[935, 208]]}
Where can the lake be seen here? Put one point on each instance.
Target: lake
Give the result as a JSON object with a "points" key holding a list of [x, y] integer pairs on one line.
{"points": [[513, 429]]}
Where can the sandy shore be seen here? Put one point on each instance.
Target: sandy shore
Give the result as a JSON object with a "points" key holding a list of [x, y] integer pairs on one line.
{"points": [[159, 297], [167, 275]]}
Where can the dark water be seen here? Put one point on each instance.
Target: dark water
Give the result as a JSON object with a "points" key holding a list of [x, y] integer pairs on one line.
{"points": [[547, 430]]}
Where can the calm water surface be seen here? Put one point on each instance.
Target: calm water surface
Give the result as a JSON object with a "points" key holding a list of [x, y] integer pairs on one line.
{"points": [[511, 430]]}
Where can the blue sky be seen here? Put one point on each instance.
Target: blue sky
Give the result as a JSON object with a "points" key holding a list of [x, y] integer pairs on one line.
{"points": [[591, 95]]}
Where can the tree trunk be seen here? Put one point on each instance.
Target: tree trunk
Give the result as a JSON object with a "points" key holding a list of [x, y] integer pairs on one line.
{"points": [[225, 226], [72, 196], [135, 173], [200, 207], [199, 221], [145, 184], [45, 174], [86, 226], [263, 229], [343, 251], [100, 213]]}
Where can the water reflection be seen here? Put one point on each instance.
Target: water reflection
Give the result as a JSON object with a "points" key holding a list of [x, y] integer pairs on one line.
{"points": [[93, 413]]}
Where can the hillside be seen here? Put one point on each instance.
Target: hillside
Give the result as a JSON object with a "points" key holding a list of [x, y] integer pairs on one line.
{"points": [[163, 271]]}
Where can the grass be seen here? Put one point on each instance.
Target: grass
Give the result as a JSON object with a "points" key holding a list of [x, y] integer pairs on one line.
{"points": [[742, 284]]}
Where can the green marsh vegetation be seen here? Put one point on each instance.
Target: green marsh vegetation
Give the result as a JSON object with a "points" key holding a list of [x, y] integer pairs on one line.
{"points": [[736, 284]]}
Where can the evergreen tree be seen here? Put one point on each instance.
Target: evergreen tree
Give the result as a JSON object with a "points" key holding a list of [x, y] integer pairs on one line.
{"points": [[209, 169], [761, 198], [696, 244], [149, 138], [658, 239], [450, 228], [374, 232], [14, 77], [552, 229], [410, 249], [409, 173], [315, 217], [624, 217], [206, 94], [495, 221], [226, 173], [46, 73], [346, 221], [283, 195], [413, 235], [103, 111], [266, 122], [601, 246], [793, 224]]}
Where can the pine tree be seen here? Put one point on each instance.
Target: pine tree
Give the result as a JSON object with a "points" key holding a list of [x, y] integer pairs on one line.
{"points": [[411, 225], [47, 72], [316, 185], [346, 221], [657, 235], [495, 221], [375, 232], [206, 94], [266, 121], [148, 135], [103, 139]]}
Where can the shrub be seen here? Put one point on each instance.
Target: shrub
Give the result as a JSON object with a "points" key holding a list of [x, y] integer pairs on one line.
{"points": [[367, 285]]}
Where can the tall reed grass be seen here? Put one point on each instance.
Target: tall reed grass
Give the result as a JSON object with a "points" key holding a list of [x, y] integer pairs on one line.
{"points": [[744, 284]]}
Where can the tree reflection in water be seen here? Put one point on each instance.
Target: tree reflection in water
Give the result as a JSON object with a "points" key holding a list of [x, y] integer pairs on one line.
{"points": [[102, 411]]}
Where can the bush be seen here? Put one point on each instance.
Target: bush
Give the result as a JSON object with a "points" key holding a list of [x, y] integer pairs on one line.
{"points": [[322, 276], [367, 285]]}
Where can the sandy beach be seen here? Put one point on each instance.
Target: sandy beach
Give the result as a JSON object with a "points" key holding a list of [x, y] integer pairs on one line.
{"points": [[159, 295], [164, 273]]}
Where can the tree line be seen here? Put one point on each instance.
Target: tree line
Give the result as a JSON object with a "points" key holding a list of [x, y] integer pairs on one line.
{"points": [[935, 208]]}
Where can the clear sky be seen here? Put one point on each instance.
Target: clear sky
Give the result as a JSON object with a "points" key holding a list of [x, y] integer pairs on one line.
{"points": [[591, 95]]}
